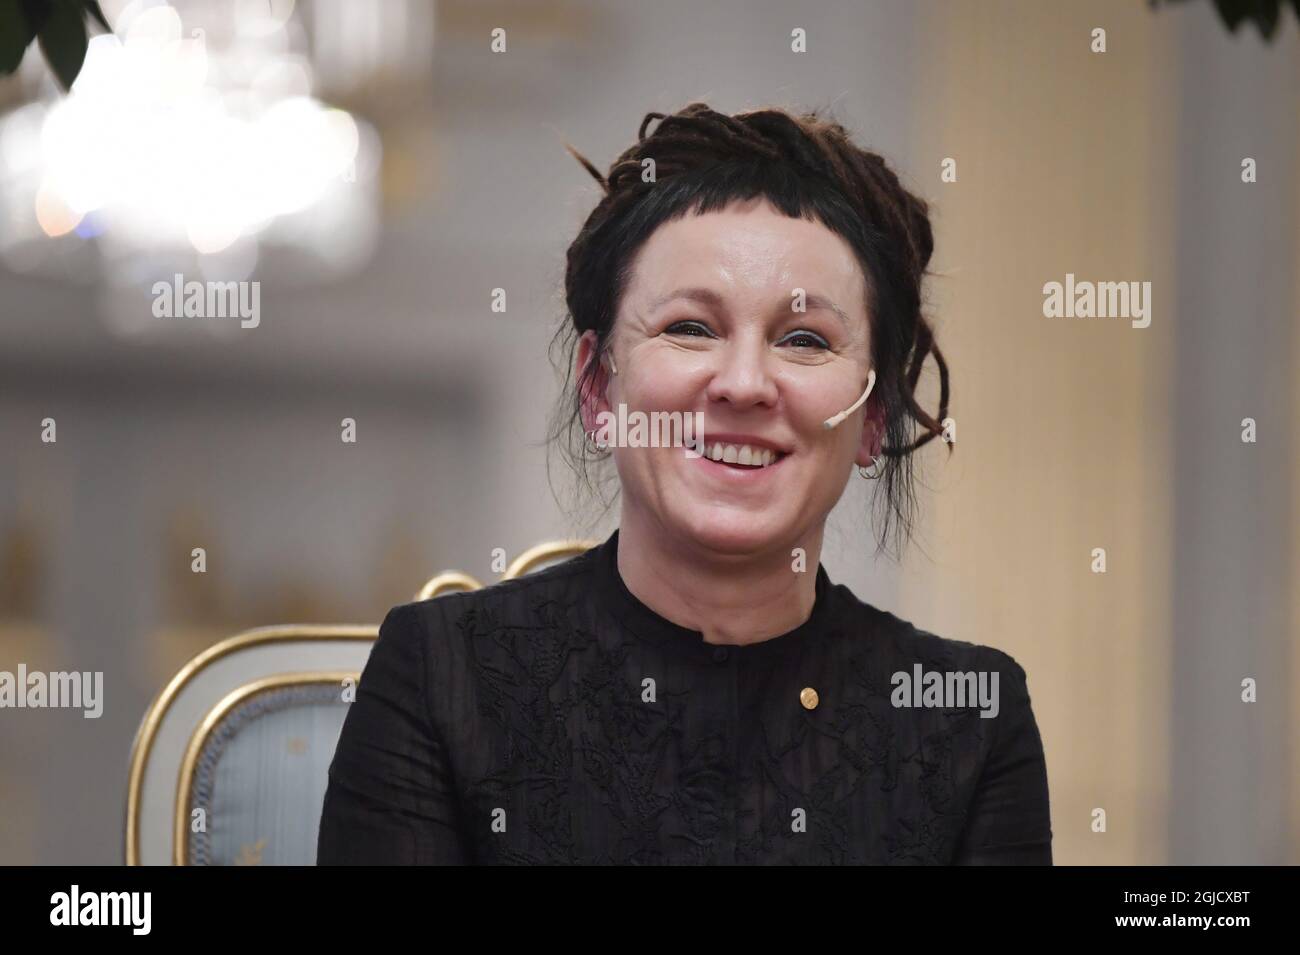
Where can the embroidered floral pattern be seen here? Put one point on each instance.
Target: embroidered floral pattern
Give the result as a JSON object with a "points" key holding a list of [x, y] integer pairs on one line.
{"points": [[515, 725]]}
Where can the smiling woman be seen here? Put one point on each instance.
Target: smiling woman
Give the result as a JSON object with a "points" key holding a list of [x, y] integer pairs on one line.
{"points": [[761, 191], [687, 692]]}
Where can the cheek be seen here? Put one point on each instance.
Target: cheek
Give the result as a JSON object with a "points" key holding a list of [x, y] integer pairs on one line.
{"points": [[667, 379], [809, 399]]}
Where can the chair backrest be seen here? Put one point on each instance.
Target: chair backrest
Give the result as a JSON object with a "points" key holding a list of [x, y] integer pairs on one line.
{"points": [[230, 763]]}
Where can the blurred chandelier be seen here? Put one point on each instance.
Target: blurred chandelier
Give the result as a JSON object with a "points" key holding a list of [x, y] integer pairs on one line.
{"points": [[191, 140]]}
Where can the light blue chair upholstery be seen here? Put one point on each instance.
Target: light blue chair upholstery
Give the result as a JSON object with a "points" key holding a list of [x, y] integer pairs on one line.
{"points": [[231, 761], [267, 758]]}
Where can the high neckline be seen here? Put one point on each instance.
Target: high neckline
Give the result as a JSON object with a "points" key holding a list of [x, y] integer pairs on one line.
{"points": [[647, 625]]}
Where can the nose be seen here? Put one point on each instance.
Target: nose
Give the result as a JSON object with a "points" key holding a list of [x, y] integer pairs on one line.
{"points": [[742, 377]]}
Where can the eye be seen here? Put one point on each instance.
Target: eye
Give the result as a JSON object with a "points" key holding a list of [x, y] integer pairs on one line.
{"points": [[804, 339], [689, 328]]}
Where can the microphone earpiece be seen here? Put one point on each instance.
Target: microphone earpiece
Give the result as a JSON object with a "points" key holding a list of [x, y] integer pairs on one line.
{"points": [[834, 420], [612, 367]]}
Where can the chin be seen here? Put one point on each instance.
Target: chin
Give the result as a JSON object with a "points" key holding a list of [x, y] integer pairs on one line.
{"points": [[734, 531]]}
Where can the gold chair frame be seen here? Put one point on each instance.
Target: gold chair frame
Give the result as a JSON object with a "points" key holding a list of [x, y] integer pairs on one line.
{"points": [[142, 746]]}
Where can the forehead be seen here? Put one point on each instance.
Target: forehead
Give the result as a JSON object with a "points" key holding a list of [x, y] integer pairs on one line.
{"points": [[748, 250]]}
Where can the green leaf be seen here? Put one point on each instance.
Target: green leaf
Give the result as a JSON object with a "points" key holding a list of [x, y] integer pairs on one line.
{"points": [[1262, 13], [16, 33], [63, 40], [1266, 19], [1265, 14], [36, 12], [92, 7], [1232, 12]]}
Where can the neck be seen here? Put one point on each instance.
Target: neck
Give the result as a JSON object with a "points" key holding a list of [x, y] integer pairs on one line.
{"points": [[728, 598]]}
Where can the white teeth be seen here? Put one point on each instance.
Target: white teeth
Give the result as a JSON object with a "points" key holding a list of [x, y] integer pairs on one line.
{"points": [[741, 454]]}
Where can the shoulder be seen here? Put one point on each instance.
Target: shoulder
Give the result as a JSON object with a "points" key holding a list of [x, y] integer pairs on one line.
{"points": [[898, 637], [460, 649], [958, 687], [510, 599], [899, 644], [962, 709], [537, 599]]}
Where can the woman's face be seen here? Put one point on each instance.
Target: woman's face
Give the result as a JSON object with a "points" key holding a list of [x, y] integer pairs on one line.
{"points": [[711, 323]]}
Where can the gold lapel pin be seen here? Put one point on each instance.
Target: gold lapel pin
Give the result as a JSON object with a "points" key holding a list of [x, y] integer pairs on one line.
{"points": [[808, 697]]}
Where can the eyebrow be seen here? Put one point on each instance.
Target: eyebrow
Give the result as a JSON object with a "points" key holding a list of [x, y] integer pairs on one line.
{"points": [[711, 298]]}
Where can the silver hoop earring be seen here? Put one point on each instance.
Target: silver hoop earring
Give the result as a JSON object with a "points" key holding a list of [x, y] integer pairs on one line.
{"points": [[877, 466], [594, 446]]}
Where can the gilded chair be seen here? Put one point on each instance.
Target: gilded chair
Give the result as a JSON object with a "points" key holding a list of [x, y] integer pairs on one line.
{"points": [[229, 765]]}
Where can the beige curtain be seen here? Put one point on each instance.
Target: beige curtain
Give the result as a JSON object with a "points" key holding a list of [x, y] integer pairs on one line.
{"points": [[1062, 438]]}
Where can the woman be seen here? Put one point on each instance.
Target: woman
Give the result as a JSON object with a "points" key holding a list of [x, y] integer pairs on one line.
{"points": [[696, 689]]}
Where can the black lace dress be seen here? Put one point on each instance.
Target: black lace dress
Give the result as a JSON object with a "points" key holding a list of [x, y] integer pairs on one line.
{"points": [[557, 719]]}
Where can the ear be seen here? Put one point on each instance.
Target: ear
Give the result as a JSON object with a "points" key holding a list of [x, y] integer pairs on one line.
{"points": [[593, 395], [872, 439]]}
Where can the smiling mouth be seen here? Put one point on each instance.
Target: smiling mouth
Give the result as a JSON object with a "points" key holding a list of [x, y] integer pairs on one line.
{"points": [[744, 457]]}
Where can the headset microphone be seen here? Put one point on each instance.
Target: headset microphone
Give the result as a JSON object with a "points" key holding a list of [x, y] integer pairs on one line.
{"points": [[834, 420]]}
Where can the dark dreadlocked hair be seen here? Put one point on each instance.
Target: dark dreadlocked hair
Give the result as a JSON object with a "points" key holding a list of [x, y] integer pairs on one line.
{"points": [[806, 167]]}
